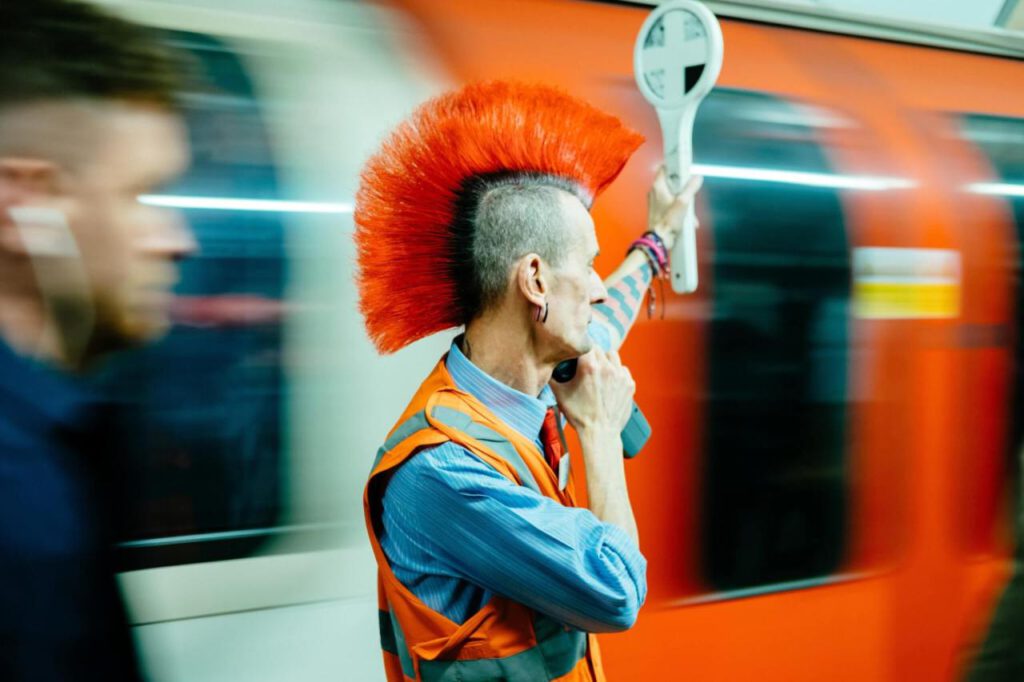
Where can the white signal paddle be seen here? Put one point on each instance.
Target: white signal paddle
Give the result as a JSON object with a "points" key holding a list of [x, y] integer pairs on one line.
{"points": [[676, 61]]}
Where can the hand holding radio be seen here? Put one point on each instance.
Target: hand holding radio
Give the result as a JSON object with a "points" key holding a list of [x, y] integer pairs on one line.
{"points": [[600, 397], [636, 430]]}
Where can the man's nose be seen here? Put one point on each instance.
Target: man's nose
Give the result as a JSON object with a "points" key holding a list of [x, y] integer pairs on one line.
{"points": [[172, 238], [598, 292]]}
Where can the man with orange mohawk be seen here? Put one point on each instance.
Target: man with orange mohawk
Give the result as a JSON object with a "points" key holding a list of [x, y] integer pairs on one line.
{"points": [[475, 214]]}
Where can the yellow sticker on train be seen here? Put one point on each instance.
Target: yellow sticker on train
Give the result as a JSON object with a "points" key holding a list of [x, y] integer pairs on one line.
{"points": [[900, 283]]}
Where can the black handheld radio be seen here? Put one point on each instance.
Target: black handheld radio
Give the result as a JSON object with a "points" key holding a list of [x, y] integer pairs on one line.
{"points": [[637, 430]]}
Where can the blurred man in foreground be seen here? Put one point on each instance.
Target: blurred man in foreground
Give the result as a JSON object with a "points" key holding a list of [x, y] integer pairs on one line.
{"points": [[87, 123]]}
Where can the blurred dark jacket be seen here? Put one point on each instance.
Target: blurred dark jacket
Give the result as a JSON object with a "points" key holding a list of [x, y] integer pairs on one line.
{"points": [[61, 615], [1001, 658], [1001, 654]]}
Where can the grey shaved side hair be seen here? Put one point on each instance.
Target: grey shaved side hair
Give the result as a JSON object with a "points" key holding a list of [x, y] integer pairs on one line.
{"points": [[514, 216]]}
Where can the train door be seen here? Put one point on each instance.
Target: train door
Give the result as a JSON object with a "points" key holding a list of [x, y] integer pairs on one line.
{"points": [[987, 521], [763, 522], [958, 365], [999, 179]]}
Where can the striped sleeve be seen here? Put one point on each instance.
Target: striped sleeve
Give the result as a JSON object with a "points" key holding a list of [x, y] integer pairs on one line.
{"points": [[509, 540]]}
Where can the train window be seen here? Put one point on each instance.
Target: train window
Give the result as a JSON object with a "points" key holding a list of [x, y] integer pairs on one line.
{"points": [[1001, 140], [774, 494], [201, 412]]}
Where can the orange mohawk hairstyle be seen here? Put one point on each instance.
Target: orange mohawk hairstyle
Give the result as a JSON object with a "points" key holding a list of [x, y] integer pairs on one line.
{"points": [[414, 220]]}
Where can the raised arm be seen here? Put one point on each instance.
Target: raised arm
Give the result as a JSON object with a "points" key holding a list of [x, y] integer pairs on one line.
{"points": [[628, 285]]}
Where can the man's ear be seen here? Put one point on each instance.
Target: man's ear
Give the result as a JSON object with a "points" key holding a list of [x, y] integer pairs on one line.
{"points": [[26, 179], [23, 181], [531, 279]]}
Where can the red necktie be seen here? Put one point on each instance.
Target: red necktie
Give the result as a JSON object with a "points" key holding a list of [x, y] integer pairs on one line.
{"points": [[551, 440]]}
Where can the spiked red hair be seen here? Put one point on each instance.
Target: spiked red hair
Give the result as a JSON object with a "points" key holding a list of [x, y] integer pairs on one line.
{"points": [[409, 197]]}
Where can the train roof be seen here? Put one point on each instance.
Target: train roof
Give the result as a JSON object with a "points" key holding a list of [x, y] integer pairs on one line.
{"points": [[994, 41]]}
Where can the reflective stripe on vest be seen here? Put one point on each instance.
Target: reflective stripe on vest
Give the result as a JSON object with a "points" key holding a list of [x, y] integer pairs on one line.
{"points": [[552, 651], [392, 640], [415, 423], [461, 421], [557, 652]]}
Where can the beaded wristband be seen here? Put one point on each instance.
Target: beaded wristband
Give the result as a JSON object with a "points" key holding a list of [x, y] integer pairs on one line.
{"points": [[658, 250], [653, 247], [651, 234], [652, 259]]}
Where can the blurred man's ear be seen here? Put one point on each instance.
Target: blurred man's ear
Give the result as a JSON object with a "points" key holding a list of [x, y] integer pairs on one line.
{"points": [[23, 178], [23, 181]]}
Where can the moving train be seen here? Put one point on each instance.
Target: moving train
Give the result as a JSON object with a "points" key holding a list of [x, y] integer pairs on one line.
{"points": [[829, 490]]}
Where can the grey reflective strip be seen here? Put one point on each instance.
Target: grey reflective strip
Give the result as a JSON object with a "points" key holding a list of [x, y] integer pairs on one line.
{"points": [[504, 448], [453, 418], [415, 423], [526, 666], [496, 441], [387, 635], [558, 651], [393, 641], [376, 460], [562, 648]]}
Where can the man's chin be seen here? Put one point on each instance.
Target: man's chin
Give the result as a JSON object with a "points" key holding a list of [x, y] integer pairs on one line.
{"points": [[141, 327], [585, 346], [571, 348], [578, 349], [151, 329]]}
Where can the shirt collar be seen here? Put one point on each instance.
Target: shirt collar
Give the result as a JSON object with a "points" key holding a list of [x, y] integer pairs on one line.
{"points": [[58, 397], [522, 412]]}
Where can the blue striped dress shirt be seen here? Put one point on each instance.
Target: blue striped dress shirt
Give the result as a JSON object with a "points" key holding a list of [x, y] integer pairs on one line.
{"points": [[457, 532]]}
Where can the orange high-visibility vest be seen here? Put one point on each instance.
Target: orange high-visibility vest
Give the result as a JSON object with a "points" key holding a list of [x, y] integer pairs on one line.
{"points": [[504, 640]]}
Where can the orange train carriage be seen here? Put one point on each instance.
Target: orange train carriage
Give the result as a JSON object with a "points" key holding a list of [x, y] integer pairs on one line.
{"points": [[827, 494], [836, 410]]}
